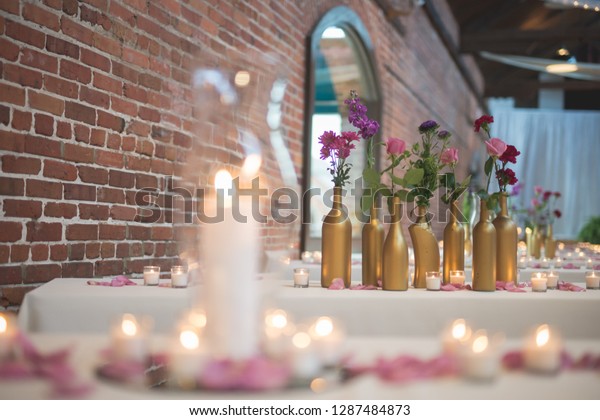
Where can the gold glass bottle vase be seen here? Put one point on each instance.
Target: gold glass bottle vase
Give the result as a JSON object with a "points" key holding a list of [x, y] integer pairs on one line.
{"points": [[336, 243], [372, 248], [536, 242], [425, 244], [484, 252], [395, 253], [506, 244], [549, 243], [454, 244]]}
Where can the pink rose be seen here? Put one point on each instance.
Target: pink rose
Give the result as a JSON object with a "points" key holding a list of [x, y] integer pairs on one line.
{"points": [[449, 156], [395, 146], [535, 202], [538, 190], [495, 147]]}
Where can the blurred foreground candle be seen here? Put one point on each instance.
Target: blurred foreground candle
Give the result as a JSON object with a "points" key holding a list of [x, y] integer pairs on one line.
{"points": [[307, 257], [129, 340], [317, 256], [7, 335], [523, 262], [328, 337], [187, 356], [542, 350], [278, 333], [301, 277], [457, 277], [433, 280], [539, 282], [558, 263], [305, 361], [179, 276], [479, 360], [455, 335], [592, 280], [230, 293], [552, 280], [589, 263], [151, 275]]}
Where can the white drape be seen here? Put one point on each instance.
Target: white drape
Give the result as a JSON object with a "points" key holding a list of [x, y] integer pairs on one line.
{"points": [[560, 151]]}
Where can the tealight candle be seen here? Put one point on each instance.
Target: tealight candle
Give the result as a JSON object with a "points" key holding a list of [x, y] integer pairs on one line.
{"points": [[179, 276], [328, 338], [278, 330], [455, 335], [7, 335], [552, 280], [151, 275], [530, 262], [581, 254], [569, 254], [307, 257], [433, 280], [558, 263], [539, 282], [542, 351], [305, 361], [522, 262], [589, 263], [592, 280], [479, 360], [457, 277], [301, 276], [317, 257], [129, 340], [544, 263]]}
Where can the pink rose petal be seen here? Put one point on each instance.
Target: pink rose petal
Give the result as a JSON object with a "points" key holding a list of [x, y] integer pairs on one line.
{"points": [[337, 284], [570, 287], [363, 287]]}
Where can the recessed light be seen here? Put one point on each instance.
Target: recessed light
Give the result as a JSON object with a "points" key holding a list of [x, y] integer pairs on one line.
{"points": [[561, 68]]}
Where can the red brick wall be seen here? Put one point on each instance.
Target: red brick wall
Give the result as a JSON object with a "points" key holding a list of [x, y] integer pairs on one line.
{"points": [[95, 103]]}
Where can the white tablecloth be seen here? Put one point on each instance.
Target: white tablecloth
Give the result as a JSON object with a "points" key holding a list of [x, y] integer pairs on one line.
{"points": [[70, 305], [85, 358]]}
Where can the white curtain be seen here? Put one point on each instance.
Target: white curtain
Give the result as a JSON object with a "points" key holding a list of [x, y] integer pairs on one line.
{"points": [[560, 151]]}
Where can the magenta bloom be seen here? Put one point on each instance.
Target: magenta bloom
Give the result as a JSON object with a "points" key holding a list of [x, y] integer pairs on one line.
{"points": [[482, 121], [395, 146], [449, 156], [495, 147], [510, 154], [557, 213], [538, 190], [535, 202]]}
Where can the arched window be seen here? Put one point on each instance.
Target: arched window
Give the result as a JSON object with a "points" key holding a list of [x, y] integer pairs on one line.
{"points": [[340, 61]]}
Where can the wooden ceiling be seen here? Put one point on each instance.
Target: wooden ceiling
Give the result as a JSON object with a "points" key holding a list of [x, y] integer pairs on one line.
{"points": [[529, 28]]}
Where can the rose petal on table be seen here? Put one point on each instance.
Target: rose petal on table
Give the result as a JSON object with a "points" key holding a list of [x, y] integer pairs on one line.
{"points": [[363, 287], [570, 287], [513, 360], [15, 370], [123, 370], [597, 267], [449, 287], [538, 265], [337, 284], [570, 266], [260, 373]]}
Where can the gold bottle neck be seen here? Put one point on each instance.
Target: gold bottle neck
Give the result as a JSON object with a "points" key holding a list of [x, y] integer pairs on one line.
{"points": [[503, 205], [337, 197], [396, 210]]}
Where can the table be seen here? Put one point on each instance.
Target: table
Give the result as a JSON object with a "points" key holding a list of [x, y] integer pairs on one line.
{"points": [[509, 385], [70, 305], [568, 275]]}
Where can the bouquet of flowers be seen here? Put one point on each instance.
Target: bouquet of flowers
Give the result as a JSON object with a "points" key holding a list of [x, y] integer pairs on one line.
{"points": [[543, 210], [337, 148]]}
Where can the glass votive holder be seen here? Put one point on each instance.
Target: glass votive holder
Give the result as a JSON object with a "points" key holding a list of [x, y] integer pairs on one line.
{"points": [[301, 277], [539, 282], [558, 262], [589, 263], [552, 280], [307, 257], [317, 257], [151, 275], [179, 276], [523, 262], [433, 280], [457, 277], [592, 280], [544, 263]]}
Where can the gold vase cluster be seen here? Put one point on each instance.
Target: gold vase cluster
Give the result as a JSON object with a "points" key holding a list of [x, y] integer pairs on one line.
{"points": [[454, 244], [372, 249], [484, 252], [506, 244], [395, 253], [427, 251], [336, 243]]}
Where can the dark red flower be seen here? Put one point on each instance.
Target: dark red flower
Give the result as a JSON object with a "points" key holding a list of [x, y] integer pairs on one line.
{"points": [[547, 195], [557, 194], [557, 213], [482, 121], [510, 154], [506, 177]]}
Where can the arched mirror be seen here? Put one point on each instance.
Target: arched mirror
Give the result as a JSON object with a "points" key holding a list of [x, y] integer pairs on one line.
{"points": [[340, 61]]}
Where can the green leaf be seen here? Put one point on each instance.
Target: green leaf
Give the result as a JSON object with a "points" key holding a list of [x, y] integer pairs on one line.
{"points": [[447, 180], [414, 176], [402, 194], [489, 165], [366, 202], [372, 177], [398, 181], [384, 191]]}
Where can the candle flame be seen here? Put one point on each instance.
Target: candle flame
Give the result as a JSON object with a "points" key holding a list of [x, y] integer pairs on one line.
{"points": [[252, 165], [480, 344], [277, 319], [301, 340], [538, 275], [197, 319], [459, 329], [3, 324], [129, 325], [189, 339], [223, 180], [242, 78], [542, 335], [324, 326]]}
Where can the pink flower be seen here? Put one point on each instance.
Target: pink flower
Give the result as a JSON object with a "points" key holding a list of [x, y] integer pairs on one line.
{"points": [[535, 202], [395, 146], [495, 147], [538, 190], [449, 156]]}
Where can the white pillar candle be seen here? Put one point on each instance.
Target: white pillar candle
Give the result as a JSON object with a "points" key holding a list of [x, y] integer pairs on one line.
{"points": [[589, 263], [230, 289], [592, 280], [433, 280], [558, 263], [542, 351], [456, 335], [552, 280], [479, 360], [307, 257], [151, 275], [7, 335], [457, 277], [539, 282], [328, 337], [301, 277], [129, 341], [179, 276]]}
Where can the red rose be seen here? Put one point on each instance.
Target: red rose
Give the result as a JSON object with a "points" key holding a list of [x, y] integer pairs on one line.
{"points": [[510, 154], [557, 213], [482, 121]]}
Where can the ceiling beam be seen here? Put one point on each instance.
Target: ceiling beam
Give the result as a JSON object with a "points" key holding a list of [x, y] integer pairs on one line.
{"points": [[519, 89]]}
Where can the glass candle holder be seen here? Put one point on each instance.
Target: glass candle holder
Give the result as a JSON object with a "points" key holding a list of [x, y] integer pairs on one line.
{"points": [[592, 280], [433, 280], [179, 276], [457, 277], [301, 277], [307, 257], [151, 275], [542, 350], [552, 280], [558, 263], [539, 282]]}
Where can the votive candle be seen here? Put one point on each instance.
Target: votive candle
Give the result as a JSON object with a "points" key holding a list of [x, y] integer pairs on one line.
{"points": [[317, 257], [542, 350], [307, 257], [457, 277], [552, 280], [433, 280], [479, 361], [539, 282], [544, 263], [151, 275], [301, 277], [128, 340], [7, 335], [179, 276], [455, 335], [592, 280], [558, 263], [523, 262], [589, 263]]}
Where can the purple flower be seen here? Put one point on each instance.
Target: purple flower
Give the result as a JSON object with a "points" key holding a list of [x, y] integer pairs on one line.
{"points": [[443, 134], [369, 129], [427, 126]]}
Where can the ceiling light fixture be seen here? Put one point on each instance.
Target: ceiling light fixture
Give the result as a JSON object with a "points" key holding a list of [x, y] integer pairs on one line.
{"points": [[563, 52], [561, 68], [581, 4]]}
